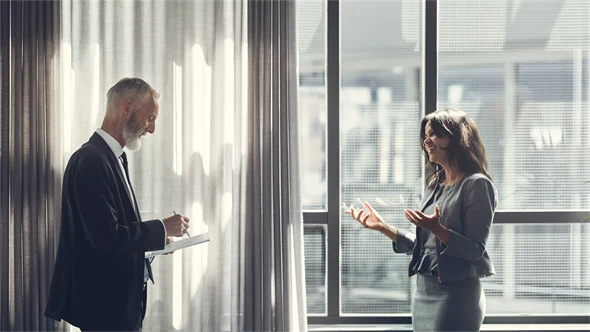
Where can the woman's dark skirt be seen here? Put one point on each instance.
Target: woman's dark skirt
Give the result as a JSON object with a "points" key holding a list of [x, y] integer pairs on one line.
{"points": [[455, 306]]}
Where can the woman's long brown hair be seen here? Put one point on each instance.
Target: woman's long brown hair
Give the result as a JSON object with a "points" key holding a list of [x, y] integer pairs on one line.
{"points": [[465, 153]]}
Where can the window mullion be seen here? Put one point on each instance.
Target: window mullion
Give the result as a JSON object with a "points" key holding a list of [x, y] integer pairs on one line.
{"points": [[333, 153]]}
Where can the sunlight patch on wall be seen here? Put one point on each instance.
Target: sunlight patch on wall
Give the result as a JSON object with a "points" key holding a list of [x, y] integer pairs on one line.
{"points": [[201, 102], [229, 100], [199, 254], [226, 210], [177, 126], [177, 296], [244, 110]]}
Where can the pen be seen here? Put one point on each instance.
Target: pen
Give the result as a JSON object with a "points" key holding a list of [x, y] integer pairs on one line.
{"points": [[186, 231]]}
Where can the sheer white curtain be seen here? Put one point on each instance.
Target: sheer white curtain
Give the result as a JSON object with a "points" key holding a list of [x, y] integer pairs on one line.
{"points": [[195, 54]]}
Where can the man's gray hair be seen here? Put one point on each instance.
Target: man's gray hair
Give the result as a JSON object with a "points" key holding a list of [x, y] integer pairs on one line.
{"points": [[130, 87]]}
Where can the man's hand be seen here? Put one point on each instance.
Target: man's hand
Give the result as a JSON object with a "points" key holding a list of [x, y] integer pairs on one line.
{"points": [[176, 225], [168, 241]]}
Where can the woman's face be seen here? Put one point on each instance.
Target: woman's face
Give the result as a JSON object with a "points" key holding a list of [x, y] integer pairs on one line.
{"points": [[436, 146]]}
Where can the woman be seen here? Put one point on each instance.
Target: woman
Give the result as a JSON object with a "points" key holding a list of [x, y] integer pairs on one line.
{"points": [[452, 226]]}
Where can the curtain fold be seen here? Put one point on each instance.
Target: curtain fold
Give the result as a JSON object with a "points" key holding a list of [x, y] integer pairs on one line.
{"points": [[273, 283], [4, 160], [28, 214]]}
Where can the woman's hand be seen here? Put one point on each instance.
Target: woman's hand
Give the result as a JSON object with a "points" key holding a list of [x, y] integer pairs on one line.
{"points": [[369, 218], [421, 220]]}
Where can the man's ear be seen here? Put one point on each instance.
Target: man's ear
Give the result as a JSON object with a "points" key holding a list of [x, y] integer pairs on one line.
{"points": [[126, 108]]}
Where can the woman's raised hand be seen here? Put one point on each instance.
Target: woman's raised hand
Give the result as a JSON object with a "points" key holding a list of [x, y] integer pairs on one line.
{"points": [[429, 222], [369, 218]]}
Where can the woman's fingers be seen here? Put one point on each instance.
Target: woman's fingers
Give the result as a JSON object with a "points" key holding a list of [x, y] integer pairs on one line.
{"points": [[369, 207], [364, 222], [362, 215], [420, 214], [352, 212], [412, 217], [434, 216], [409, 216]]}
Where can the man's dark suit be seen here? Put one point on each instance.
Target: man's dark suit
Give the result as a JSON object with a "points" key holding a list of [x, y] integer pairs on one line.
{"points": [[98, 278]]}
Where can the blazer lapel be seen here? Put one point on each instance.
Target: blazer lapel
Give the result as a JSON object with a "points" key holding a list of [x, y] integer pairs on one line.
{"points": [[428, 195], [114, 162]]}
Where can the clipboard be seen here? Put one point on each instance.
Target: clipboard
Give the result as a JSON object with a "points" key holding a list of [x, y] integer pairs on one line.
{"points": [[181, 244]]}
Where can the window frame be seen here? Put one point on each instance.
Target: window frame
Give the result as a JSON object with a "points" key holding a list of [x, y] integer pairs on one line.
{"points": [[331, 217]]}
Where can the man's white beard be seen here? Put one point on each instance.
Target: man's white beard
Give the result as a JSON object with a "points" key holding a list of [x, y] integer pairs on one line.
{"points": [[132, 134], [132, 143]]}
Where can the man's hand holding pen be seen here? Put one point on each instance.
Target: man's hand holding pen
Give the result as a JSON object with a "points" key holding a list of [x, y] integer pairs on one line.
{"points": [[186, 230], [176, 225]]}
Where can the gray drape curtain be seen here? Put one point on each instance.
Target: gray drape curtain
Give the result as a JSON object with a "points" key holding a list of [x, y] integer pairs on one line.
{"points": [[225, 151], [28, 178], [272, 283]]}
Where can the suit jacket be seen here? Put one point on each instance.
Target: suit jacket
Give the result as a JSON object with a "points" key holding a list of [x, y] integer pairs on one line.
{"points": [[467, 211], [97, 281]]}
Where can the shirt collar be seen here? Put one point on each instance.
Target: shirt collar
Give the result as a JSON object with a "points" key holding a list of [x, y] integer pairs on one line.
{"points": [[112, 142]]}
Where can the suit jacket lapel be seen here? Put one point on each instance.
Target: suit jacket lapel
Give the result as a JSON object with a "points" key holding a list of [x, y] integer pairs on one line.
{"points": [[136, 209], [114, 162], [123, 182]]}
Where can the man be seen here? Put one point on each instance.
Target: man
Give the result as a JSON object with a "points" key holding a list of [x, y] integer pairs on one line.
{"points": [[100, 276]]}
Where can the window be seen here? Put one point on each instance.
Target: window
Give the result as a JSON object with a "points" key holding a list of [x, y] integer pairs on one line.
{"points": [[520, 69], [380, 161], [311, 38]]}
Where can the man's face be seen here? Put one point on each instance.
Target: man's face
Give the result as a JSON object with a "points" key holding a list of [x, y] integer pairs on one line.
{"points": [[141, 122]]}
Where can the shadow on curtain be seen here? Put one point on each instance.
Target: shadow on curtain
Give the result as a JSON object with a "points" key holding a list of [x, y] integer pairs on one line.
{"points": [[29, 178]]}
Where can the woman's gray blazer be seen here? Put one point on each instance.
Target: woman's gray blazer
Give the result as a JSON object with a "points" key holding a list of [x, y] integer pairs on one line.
{"points": [[467, 211]]}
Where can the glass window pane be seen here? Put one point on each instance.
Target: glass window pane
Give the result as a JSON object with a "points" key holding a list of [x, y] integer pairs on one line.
{"points": [[540, 269], [380, 155], [314, 239], [520, 69], [311, 35]]}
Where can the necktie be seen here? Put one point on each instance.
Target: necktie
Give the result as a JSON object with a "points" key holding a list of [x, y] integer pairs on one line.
{"points": [[132, 194], [126, 168]]}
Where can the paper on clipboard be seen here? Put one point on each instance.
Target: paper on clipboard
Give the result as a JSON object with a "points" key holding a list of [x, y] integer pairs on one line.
{"points": [[181, 244]]}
